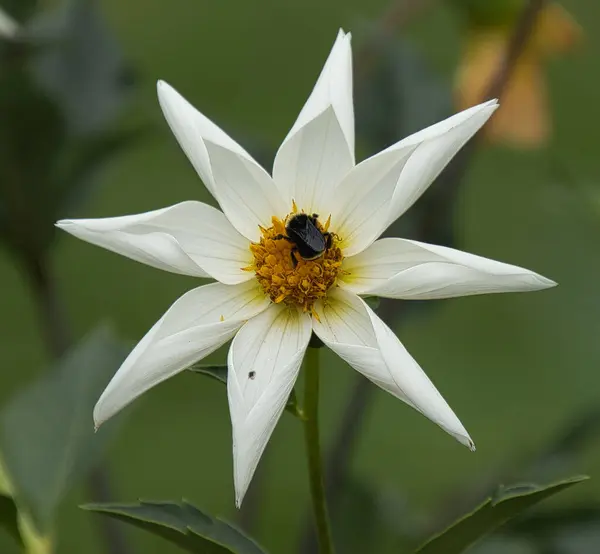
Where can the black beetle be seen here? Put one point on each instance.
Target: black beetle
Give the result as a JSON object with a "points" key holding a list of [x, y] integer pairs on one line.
{"points": [[308, 240]]}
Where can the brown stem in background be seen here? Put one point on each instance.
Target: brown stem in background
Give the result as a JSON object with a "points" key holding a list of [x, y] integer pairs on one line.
{"points": [[344, 441], [56, 330]]}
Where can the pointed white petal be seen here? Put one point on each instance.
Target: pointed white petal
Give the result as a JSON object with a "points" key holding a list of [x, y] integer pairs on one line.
{"points": [[191, 238], [245, 191], [264, 360], [363, 198], [380, 189], [437, 145], [399, 268], [196, 325], [353, 331], [244, 181], [319, 149]]}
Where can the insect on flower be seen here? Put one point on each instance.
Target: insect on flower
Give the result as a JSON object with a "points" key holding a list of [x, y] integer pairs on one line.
{"points": [[281, 274], [310, 240]]}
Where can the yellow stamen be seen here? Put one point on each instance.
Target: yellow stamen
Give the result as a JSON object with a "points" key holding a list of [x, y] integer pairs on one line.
{"points": [[301, 283]]}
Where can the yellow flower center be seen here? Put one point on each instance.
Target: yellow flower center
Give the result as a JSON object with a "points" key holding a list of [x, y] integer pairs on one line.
{"points": [[287, 277]]}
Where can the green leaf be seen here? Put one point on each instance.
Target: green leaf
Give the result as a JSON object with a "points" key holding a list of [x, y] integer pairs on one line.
{"points": [[505, 504], [47, 438], [219, 373], [181, 524]]}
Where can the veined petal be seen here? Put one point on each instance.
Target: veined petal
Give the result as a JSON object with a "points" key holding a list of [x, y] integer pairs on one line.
{"points": [[437, 145], [362, 201], [243, 189], [319, 149], [399, 268], [381, 188], [264, 360], [354, 332], [196, 325], [191, 238]]}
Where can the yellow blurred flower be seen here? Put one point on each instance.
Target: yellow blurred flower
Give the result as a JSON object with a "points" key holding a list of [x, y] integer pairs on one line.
{"points": [[524, 119]]}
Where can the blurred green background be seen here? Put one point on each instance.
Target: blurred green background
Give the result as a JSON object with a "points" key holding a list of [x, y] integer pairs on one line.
{"points": [[516, 368]]}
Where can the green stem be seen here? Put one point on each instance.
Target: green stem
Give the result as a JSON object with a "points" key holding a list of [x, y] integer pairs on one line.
{"points": [[313, 450]]}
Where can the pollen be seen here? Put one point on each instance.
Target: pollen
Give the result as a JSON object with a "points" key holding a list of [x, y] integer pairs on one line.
{"points": [[287, 277]]}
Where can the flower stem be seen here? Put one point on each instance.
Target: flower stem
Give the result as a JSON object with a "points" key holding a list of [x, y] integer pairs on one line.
{"points": [[313, 450]]}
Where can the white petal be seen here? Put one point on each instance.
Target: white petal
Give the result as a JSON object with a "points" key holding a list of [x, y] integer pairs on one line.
{"points": [[353, 331], [399, 268], [245, 191], [191, 238], [437, 145], [264, 360], [319, 149], [383, 187], [363, 198], [196, 325], [245, 181]]}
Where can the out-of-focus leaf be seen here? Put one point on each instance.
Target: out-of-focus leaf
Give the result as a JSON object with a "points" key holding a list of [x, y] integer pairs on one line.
{"points": [[219, 373], [357, 523], [20, 10], [84, 160], [31, 136], [562, 452], [373, 302], [83, 67], [8, 508], [399, 94], [490, 12], [505, 504], [182, 524], [47, 437], [546, 522]]}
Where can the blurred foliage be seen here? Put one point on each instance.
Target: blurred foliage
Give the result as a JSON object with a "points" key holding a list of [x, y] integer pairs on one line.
{"points": [[490, 12], [183, 525], [21, 10], [81, 65], [47, 440], [8, 508], [62, 84]]}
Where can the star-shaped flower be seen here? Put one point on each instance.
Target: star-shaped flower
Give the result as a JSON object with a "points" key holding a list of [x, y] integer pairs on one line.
{"points": [[292, 254]]}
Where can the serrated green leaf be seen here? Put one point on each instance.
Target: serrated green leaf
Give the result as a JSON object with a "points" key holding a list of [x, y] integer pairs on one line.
{"points": [[182, 524], [219, 373], [505, 504], [47, 437]]}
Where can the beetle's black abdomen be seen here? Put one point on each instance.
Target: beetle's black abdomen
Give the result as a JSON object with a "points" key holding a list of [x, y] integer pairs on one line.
{"points": [[302, 230]]}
